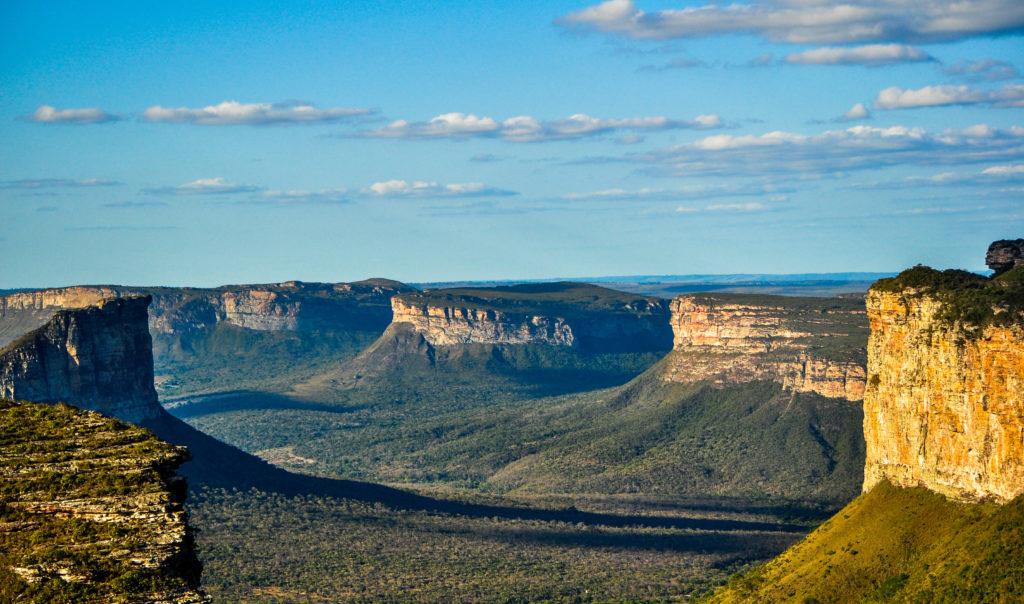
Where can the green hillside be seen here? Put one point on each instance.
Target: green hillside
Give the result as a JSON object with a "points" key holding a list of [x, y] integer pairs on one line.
{"points": [[898, 545]]}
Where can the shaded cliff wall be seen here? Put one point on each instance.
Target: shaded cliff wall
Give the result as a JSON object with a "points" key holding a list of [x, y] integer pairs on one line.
{"points": [[942, 410], [98, 358], [806, 345]]}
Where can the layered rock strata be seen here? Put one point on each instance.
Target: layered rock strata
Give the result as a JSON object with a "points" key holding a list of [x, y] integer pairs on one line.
{"points": [[93, 502], [807, 345], [942, 410], [605, 321], [98, 358]]}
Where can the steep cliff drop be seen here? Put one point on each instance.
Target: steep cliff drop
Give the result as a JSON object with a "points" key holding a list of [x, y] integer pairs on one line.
{"points": [[942, 514], [98, 358], [805, 344]]}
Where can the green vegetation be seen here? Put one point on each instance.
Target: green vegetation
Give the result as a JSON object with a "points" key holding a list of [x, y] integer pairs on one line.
{"points": [[969, 302], [56, 455], [227, 357], [260, 546], [898, 545]]}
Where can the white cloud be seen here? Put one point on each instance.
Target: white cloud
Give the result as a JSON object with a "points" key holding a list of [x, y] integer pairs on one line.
{"points": [[528, 129], [872, 55], [422, 189], [858, 112], [1010, 170], [235, 113], [809, 21], [736, 207], [835, 151], [994, 175], [984, 70], [51, 183], [46, 114], [1010, 95], [205, 186]]}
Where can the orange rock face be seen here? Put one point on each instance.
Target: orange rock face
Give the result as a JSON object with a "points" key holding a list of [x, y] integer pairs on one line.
{"points": [[941, 410], [728, 341], [445, 326]]}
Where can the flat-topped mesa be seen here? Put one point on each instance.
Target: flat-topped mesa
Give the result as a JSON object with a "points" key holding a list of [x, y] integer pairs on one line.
{"points": [[288, 306], [573, 315], [944, 407], [98, 358], [806, 344]]}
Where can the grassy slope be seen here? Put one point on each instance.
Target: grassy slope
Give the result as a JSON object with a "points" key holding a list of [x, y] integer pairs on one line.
{"points": [[897, 544]]}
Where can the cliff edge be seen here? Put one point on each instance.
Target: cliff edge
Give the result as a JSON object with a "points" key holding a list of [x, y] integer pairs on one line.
{"points": [[944, 408]]}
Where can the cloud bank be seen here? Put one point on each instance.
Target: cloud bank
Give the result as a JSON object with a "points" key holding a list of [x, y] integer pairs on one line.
{"points": [[1010, 95], [809, 21], [422, 189], [873, 55], [835, 151], [230, 113], [51, 183], [205, 186], [524, 129], [46, 114]]}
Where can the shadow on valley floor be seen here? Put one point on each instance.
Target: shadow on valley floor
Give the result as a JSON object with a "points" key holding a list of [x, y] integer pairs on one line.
{"points": [[219, 465], [243, 400]]}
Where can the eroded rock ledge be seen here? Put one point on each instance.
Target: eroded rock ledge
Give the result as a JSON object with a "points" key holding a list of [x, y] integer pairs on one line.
{"points": [[91, 510], [806, 344]]}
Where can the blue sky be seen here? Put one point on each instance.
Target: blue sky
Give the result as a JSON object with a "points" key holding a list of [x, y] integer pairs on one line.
{"points": [[216, 142]]}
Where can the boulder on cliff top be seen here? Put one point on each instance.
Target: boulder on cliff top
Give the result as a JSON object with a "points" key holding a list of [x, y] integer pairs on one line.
{"points": [[1005, 254]]}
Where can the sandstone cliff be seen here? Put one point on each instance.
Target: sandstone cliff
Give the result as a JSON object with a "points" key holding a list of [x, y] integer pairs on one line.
{"points": [[944, 406], [806, 344], [570, 315], [292, 305], [98, 358], [91, 510]]}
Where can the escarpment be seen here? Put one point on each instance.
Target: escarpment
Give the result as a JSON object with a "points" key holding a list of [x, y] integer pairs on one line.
{"points": [[292, 305], [944, 407], [98, 358], [806, 344], [569, 315], [91, 510]]}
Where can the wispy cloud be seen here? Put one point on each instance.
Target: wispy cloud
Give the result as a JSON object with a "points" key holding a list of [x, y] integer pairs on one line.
{"points": [[298, 196], [872, 55], [993, 175], [674, 64], [46, 114], [835, 151], [105, 228], [809, 22], [1010, 95], [135, 204], [485, 158], [53, 183], [985, 70], [527, 129], [689, 192], [422, 189], [252, 114], [205, 186]]}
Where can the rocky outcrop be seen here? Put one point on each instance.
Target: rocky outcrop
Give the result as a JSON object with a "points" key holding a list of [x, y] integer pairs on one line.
{"points": [[1005, 254], [588, 318], [92, 504], [806, 344], [98, 358], [942, 410], [292, 305]]}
